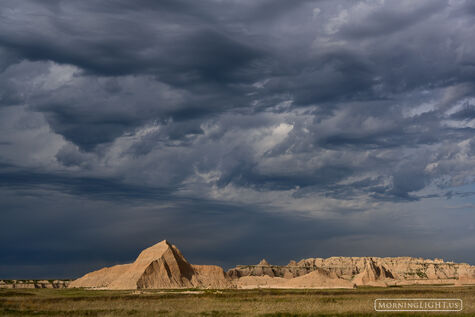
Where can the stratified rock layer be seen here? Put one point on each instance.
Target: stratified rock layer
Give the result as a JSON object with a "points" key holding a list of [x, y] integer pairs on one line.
{"points": [[163, 266], [160, 266], [373, 271], [317, 279]]}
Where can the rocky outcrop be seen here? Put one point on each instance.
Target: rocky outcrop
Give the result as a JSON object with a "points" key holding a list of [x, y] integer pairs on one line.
{"points": [[317, 279], [29, 284], [211, 276], [160, 266], [373, 274], [374, 271], [163, 266], [101, 278], [291, 270]]}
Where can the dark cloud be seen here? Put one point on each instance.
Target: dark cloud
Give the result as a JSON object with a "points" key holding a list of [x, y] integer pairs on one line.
{"points": [[234, 116], [95, 188], [79, 236], [110, 42]]}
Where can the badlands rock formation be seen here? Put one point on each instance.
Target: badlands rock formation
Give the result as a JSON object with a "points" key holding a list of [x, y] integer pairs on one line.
{"points": [[319, 278], [163, 266], [373, 271], [34, 283], [160, 266]]}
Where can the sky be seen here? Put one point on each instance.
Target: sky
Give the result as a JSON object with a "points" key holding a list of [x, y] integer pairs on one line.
{"points": [[235, 129]]}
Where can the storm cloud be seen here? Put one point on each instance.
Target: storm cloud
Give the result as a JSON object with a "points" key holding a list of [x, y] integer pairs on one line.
{"points": [[343, 127]]}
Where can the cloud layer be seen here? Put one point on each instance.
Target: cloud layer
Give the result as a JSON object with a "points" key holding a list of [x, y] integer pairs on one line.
{"points": [[192, 118]]}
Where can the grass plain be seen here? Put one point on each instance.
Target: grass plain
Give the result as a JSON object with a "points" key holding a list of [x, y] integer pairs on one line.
{"points": [[256, 302]]}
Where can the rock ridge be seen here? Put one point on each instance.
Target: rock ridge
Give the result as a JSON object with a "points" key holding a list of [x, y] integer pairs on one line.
{"points": [[163, 266]]}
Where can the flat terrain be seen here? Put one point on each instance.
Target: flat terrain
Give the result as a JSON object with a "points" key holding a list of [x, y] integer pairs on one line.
{"points": [[259, 302]]}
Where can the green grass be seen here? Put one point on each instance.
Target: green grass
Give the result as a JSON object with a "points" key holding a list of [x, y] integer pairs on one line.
{"points": [[256, 302]]}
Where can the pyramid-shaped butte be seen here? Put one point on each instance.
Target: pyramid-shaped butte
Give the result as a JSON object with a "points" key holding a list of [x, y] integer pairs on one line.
{"points": [[159, 266]]}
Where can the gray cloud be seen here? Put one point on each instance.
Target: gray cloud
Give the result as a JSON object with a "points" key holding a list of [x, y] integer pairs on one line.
{"points": [[269, 111], [80, 235]]}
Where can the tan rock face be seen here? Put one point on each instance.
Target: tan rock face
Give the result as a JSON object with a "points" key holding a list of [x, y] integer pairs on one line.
{"points": [[317, 279], [160, 266], [101, 278], [373, 271], [263, 263], [163, 266], [263, 268], [211, 276]]}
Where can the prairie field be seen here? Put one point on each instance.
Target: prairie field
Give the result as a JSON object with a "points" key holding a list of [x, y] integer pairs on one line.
{"points": [[194, 302]]}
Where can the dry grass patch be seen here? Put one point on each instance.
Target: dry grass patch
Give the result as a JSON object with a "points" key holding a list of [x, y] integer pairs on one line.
{"points": [[259, 302]]}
